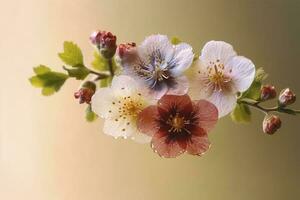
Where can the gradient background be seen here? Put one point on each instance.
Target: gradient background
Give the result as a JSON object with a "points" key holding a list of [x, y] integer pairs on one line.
{"points": [[48, 151]]}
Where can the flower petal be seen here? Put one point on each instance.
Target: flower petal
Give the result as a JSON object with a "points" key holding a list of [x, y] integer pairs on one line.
{"points": [[217, 50], [181, 86], [182, 59], [165, 147], [156, 42], [198, 145], [146, 122], [119, 128], [225, 102], [123, 85], [207, 114], [243, 72], [102, 102], [181, 104]]}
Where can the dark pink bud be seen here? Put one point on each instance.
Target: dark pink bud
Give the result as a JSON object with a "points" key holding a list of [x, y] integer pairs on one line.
{"points": [[267, 92], [286, 97], [124, 49], [271, 124], [106, 42], [85, 93]]}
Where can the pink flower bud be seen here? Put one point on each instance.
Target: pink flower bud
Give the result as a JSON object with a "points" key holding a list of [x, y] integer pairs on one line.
{"points": [[286, 97], [105, 42], [85, 93], [271, 124], [267, 92], [124, 49]]}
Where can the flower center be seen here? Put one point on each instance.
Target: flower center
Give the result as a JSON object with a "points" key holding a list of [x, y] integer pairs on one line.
{"points": [[177, 123], [160, 74], [216, 76]]}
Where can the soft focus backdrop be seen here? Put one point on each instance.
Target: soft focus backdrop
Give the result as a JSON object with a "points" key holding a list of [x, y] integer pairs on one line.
{"points": [[49, 152]]}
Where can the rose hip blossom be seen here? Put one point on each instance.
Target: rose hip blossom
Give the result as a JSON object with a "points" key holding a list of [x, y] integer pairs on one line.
{"points": [[158, 65], [221, 75], [178, 125]]}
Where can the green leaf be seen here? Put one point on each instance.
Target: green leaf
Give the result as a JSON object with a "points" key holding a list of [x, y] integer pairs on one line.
{"points": [[79, 72], [254, 90], [99, 62], [48, 80], [241, 114], [41, 69], [47, 91], [72, 54], [36, 82], [90, 116], [175, 40]]}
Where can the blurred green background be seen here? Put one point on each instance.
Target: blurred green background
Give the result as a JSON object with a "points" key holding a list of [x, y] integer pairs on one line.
{"points": [[49, 152]]}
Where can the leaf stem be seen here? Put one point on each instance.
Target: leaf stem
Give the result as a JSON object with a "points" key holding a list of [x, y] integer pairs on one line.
{"points": [[279, 109], [110, 65]]}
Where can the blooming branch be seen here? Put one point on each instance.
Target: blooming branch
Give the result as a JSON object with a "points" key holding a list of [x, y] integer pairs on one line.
{"points": [[160, 92]]}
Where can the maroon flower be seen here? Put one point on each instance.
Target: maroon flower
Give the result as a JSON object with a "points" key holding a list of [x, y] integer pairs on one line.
{"points": [[178, 125]]}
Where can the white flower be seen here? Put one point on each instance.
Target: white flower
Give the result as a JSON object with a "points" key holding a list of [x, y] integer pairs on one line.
{"points": [[158, 65], [221, 74], [119, 105]]}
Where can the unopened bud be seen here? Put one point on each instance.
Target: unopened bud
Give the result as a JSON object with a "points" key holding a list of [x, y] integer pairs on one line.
{"points": [[271, 124], [85, 93], [105, 42], [124, 49], [267, 92], [286, 97]]}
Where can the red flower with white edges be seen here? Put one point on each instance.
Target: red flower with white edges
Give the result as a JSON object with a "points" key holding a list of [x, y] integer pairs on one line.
{"points": [[177, 125]]}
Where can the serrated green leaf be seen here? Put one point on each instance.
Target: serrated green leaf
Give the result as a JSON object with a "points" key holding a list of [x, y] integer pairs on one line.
{"points": [[175, 40], [99, 63], [241, 114], [47, 91], [48, 80], [79, 72], [36, 82], [90, 116], [41, 69], [72, 54]]}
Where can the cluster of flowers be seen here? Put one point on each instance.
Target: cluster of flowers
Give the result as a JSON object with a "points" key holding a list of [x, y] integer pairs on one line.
{"points": [[165, 95]]}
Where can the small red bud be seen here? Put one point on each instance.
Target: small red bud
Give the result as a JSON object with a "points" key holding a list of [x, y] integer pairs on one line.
{"points": [[271, 124], [123, 49], [85, 93], [106, 42], [267, 92], [286, 97]]}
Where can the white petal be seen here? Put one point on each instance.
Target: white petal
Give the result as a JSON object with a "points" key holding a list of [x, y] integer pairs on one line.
{"points": [[157, 94], [102, 102], [182, 59], [181, 88], [156, 42], [217, 50], [124, 85], [224, 102], [119, 128], [243, 72]]}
